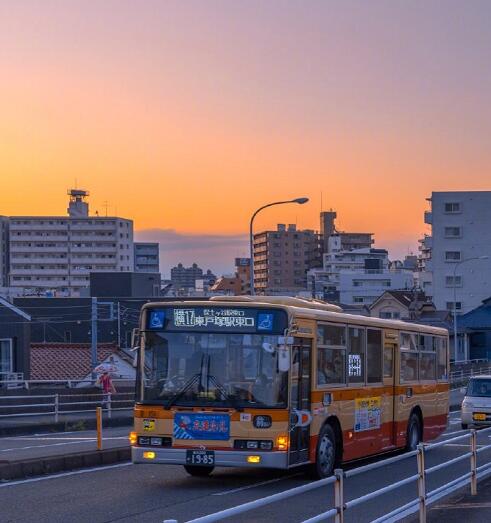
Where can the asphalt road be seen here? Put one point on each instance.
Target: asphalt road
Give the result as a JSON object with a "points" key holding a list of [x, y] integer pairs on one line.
{"points": [[152, 493], [13, 448]]}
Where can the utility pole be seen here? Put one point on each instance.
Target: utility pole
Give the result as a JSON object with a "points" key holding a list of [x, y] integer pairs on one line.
{"points": [[94, 336]]}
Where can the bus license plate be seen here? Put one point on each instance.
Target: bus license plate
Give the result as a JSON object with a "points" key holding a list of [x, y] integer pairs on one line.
{"points": [[479, 416], [200, 457]]}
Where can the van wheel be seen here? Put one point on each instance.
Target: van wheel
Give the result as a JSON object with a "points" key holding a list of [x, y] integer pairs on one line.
{"points": [[325, 455], [413, 437], [197, 471], [464, 426]]}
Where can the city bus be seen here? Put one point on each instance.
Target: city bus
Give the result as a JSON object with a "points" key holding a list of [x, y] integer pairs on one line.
{"points": [[279, 382]]}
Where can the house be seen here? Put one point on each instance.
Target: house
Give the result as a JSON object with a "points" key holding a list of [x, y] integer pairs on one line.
{"points": [[15, 338], [474, 331], [72, 361], [400, 305]]}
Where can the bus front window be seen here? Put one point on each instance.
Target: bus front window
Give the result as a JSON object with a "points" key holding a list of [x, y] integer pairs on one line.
{"points": [[223, 370]]}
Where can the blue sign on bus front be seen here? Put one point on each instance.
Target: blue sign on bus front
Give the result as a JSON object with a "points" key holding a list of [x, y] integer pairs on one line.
{"points": [[202, 426]]}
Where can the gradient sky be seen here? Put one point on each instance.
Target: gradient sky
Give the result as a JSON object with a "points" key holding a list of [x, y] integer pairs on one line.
{"points": [[186, 116]]}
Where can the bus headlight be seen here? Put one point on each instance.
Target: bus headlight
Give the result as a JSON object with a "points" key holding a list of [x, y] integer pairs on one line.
{"points": [[133, 438], [253, 459], [149, 454]]}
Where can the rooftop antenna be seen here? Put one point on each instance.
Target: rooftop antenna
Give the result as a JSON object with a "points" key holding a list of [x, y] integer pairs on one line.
{"points": [[322, 207], [105, 205]]}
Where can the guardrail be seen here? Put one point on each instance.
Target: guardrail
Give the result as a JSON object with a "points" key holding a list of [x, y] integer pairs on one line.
{"points": [[68, 383], [420, 503], [56, 404], [461, 375]]}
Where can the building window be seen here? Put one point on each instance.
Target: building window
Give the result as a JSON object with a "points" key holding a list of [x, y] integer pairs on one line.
{"points": [[452, 207], [357, 299], [458, 305], [453, 281], [453, 232], [452, 256], [6, 356]]}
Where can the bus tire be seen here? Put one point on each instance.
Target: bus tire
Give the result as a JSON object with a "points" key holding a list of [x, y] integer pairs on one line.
{"points": [[413, 436], [198, 471], [325, 454]]}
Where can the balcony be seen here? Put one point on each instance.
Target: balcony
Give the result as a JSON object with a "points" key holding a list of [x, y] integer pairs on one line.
{"points": [[38, 227], [25, 248], [428, 217]]}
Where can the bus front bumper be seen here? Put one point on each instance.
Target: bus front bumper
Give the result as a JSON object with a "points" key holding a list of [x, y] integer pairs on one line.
{"points": [[223, 458]]}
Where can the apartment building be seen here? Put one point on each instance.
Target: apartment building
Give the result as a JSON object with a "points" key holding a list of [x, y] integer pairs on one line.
{"points": [[356, 276], [55, 254], [147, 258], [282, 259], [349, 241], [4, 251], [455, 257]]}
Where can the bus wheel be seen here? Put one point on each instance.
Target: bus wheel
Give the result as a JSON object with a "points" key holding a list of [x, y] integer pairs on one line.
{"points": [[413, 437], [197, 471], [325, 456]]}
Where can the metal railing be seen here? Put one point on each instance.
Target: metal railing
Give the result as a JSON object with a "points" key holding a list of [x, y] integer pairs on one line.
{"points": [[420, 503], [59, 404], [19, 382]]}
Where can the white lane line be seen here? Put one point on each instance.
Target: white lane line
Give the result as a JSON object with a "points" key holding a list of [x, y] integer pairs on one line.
{"points": [[452, 433], [63, 474], [42, 446], [454, 421], [276, 480]]}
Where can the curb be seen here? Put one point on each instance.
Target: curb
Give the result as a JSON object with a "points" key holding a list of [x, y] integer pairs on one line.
{"points": [[38, 466], [64, 426]]}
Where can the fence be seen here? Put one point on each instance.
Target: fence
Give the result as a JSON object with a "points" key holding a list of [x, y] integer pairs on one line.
{"points": [[341, 506], [15, 380], [56, 404], [461, 377]]}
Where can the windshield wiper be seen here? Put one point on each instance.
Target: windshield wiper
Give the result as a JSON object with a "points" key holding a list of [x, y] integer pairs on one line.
{"points": [[187, 385]]}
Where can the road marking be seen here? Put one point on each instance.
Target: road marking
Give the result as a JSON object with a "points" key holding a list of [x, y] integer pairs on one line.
{"points": [[276, 480], [63, 474], [455, 432]]}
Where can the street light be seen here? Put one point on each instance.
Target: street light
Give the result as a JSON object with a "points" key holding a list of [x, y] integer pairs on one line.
{"points": [[300, 201], [455, 300]]}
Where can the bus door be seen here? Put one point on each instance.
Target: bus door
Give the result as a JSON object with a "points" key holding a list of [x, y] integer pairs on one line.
{"points": [[390, 398], [300, 401]]}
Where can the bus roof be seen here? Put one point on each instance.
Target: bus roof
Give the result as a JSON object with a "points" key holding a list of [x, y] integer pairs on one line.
{"points": [[305, 308]]}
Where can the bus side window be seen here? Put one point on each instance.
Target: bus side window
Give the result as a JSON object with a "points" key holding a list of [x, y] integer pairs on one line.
{"points": [[374, 356], [388, 361]]}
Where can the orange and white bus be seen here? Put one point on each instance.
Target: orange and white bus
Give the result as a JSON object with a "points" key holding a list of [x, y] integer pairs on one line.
{"points": [[282, 382]]}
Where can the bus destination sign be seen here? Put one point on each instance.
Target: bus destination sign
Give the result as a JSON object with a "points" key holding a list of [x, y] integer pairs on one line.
{"points": [[216, 319]]}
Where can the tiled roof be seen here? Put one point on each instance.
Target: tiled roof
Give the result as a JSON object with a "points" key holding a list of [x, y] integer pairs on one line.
{"points": [[62, 361]]}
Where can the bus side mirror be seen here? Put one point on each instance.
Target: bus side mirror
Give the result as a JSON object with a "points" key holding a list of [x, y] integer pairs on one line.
{"points": [[283, 359]]}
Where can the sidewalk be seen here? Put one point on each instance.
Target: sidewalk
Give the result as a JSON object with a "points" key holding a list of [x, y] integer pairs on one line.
{"points": [[463, 506]]}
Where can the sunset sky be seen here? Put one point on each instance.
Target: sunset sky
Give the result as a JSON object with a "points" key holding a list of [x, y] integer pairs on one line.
{"points": [[187, 115]]}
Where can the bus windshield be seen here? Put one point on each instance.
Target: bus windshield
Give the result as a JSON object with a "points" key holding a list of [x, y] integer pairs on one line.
{"points": [[215, 369]]}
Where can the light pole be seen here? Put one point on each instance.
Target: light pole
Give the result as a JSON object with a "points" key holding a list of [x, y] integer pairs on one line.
{"points": [[455, 300], [300, 201]]}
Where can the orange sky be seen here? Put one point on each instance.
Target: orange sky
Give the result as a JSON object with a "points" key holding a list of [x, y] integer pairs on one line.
{"points": [[188, 116]]}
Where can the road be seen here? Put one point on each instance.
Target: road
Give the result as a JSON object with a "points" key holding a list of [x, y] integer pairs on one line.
{"points": [[13, 448], [152, 493]]}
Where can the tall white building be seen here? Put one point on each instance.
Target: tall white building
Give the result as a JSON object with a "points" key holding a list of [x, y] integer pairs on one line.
{"points": [[460, 238], [55, 254], [358, 276]]}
